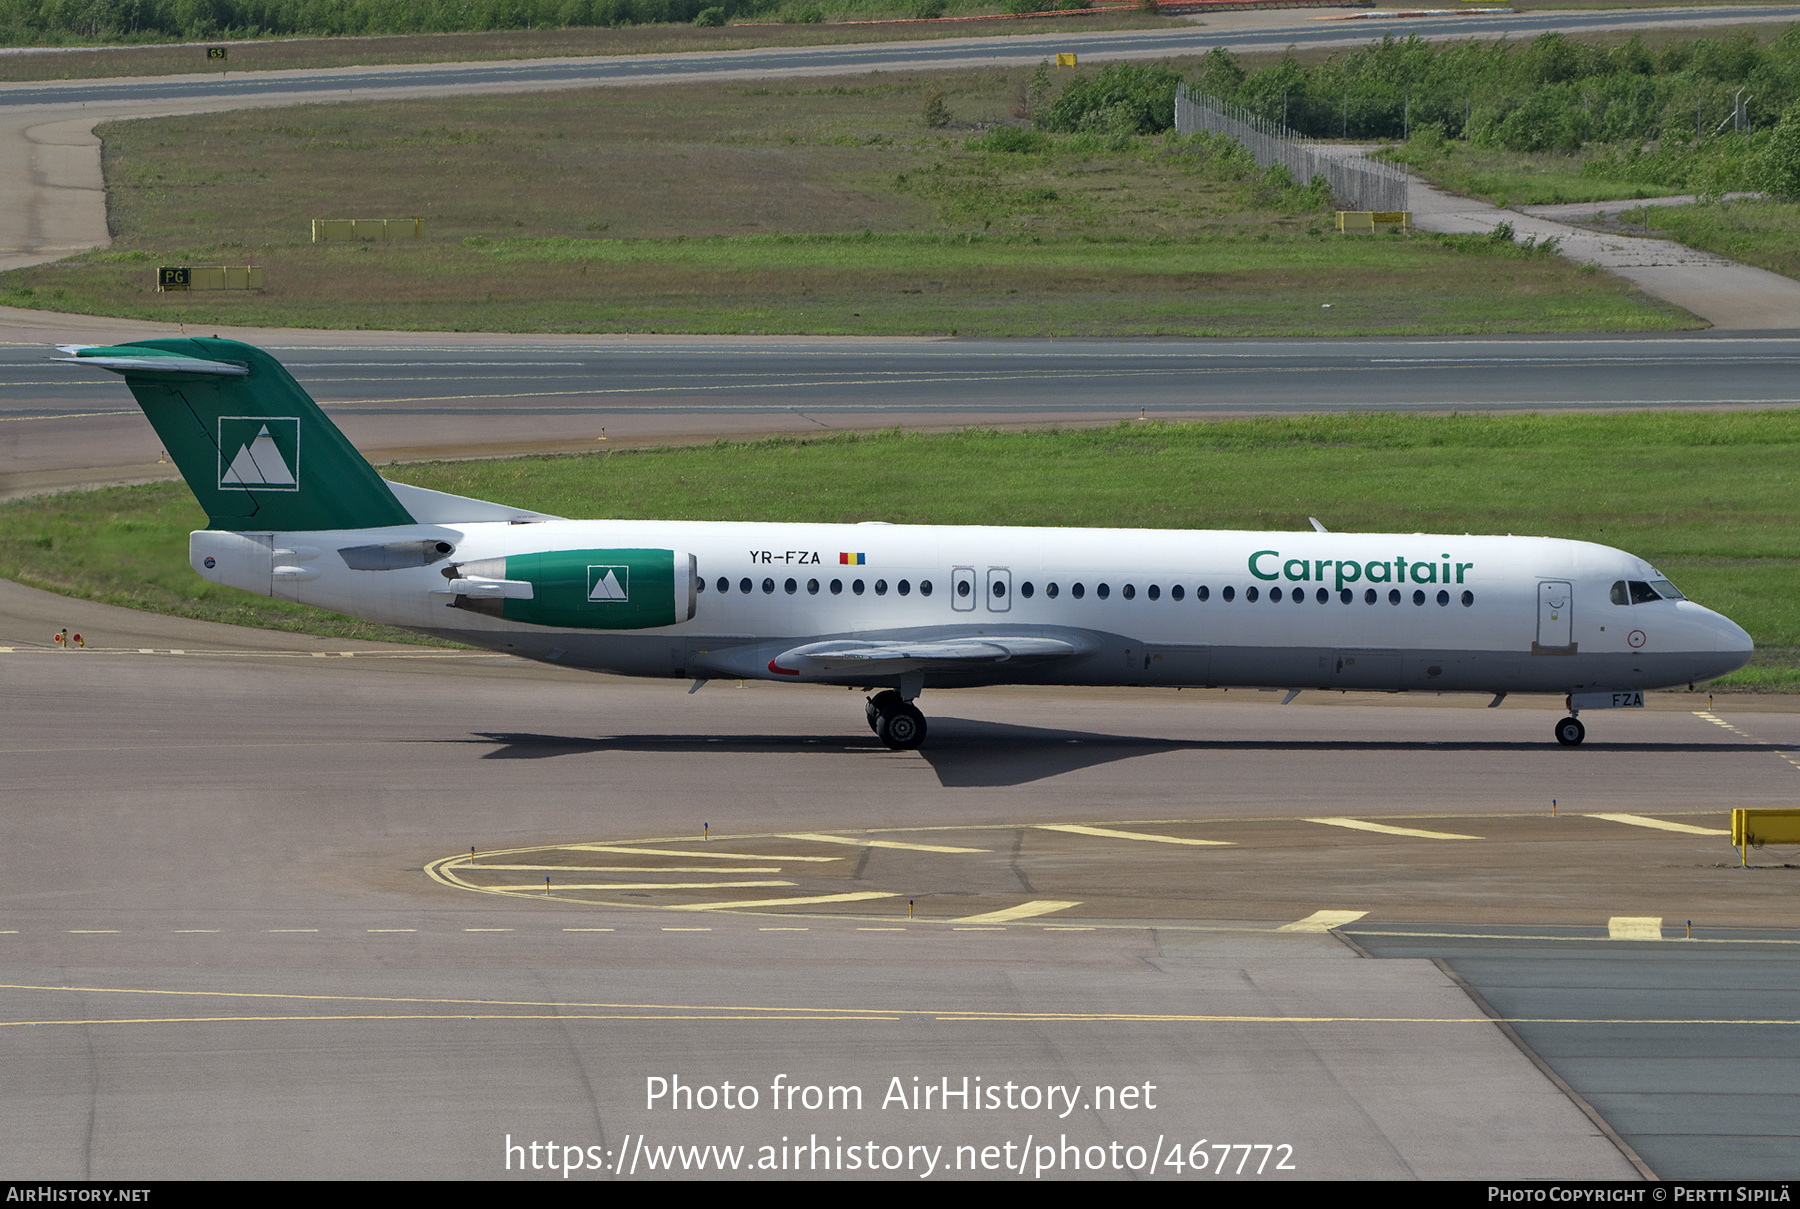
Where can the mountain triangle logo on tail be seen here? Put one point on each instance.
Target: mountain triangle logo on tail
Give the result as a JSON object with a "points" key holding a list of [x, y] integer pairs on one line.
{"points": [[258, 452]]}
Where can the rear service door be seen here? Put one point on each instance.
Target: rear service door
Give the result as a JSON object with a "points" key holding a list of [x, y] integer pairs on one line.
{"points": [[1555, 614]]}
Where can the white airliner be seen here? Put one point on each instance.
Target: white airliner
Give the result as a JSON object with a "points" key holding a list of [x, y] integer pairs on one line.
{"points": [[296, 513]]}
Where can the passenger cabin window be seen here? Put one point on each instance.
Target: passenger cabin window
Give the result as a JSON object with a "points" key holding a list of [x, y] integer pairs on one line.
{"points": [[1250, 593], [744, 586], [1202, 592], [1443, 597], [837, 587], [1370, 596], [790, 587], [1051, 590], [1176, 593], [963, 587], [881, 587], [1274, 594], [856, 586], [1153, 592], [1468, 598], [905, 588], [924, 587], [812, 587], [1025, 589], [1129, 591], [1322, 595], [700, 584], [1078, 591], [1418, 596], [1227, 594], [724, 584], [1393, 596], [769, 587], [1103, 591]]}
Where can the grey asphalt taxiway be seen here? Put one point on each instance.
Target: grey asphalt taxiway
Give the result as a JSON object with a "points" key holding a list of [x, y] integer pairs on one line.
{"points": [[242, 933]]}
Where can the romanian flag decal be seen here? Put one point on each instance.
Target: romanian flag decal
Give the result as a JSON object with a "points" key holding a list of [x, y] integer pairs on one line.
{"points": [[850, 560]]}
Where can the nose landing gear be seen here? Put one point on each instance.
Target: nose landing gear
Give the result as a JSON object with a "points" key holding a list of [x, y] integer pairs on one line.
{"points": [[1570, 732], [895, 721]]}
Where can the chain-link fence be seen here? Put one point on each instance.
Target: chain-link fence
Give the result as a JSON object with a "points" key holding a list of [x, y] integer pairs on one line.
{"points": [[1357, 183]]}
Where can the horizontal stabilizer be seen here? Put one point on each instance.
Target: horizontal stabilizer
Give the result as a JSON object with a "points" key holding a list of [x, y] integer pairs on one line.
{"points": [[123, 358], [879, 657]]}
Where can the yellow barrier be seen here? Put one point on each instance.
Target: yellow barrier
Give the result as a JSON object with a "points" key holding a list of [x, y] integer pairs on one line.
{"points": [[366, 229], [1754, 828], [1064, 59], [209, 277], [1368, 220]]}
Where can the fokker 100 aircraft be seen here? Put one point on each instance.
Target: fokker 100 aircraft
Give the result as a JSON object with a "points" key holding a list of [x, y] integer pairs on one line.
{"points": [[296, 513]]}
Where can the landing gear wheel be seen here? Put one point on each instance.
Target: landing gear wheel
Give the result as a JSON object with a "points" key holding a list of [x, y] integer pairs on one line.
{"points": [[886, 699], [901, 726], [1570, 732]]}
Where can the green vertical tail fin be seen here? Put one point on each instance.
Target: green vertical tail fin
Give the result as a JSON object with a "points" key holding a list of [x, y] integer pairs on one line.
{"points": [[253, 446]]}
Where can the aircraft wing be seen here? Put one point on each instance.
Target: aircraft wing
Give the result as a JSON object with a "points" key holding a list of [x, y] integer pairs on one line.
{"points": [[887, 657]]}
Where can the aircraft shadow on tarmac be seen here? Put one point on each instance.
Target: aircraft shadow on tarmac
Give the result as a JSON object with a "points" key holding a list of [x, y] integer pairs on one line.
{"points": [[967, 753]]}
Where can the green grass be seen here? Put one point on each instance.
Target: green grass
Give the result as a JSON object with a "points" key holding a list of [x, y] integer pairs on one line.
{"points": [[1516, 178], [821, 206], [1759, 232], [1707, 497]]}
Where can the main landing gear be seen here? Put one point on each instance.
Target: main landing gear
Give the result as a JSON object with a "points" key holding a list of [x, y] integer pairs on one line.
{"points": [[896, 721], [1570, 732]]}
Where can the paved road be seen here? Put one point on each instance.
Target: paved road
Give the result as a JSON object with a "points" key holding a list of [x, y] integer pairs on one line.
{"points": [[1304, 31], [401, 396], [221, 954], [1649, 1033]]}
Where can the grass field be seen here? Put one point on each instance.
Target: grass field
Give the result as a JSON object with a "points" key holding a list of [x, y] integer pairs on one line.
{"points": [[1707, 497], [292, 53], [1516, 178], [670, 210], [1759, 232]]}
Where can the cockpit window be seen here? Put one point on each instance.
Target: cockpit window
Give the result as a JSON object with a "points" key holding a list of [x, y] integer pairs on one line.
{"points": [[1667, 590], [1643, 593], [1619, 595]]}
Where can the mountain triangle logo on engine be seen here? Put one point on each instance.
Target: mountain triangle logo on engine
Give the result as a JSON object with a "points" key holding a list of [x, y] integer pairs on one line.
{"points": [[609, 584]]}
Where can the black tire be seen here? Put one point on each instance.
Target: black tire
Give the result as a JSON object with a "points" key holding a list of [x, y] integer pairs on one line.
{"points": [[1570, 732], [902, 727], [887, 698]]}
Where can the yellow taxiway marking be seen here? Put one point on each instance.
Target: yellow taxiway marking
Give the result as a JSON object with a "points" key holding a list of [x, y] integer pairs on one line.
{"points": [[626, 868], [1692, 940], [391, 929], [1385, 829], [784, 929], [821, 838], [757, 1012], [193, 931], [274, 930], [859, 896], [711, 856], [587, 929], [1634, 927], [1642, 820], [1322, 921], [687, 929], [1708, 716], [1040, 906], [93, 931], [649, 886], [881, 929], [1107, 833], [487, 929]]}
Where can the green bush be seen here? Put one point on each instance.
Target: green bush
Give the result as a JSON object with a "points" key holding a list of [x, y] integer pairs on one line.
{"points": [[936, 113], [710, 18], [1779, 169], [1014, 139], [1134, 98]]}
